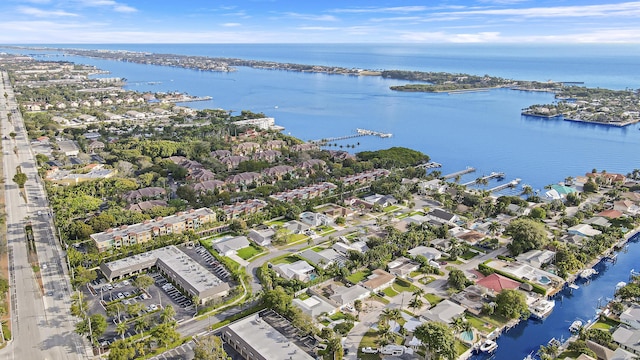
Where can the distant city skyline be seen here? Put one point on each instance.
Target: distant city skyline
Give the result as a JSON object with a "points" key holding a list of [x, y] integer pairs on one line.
{"points": [[330, 21]]}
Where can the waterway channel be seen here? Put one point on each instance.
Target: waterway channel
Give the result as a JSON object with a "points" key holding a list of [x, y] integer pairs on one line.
{"points": [[579, 304]]}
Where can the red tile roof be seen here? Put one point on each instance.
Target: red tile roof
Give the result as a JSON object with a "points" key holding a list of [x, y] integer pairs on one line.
{"points": [[610, 214], [498, 283]]}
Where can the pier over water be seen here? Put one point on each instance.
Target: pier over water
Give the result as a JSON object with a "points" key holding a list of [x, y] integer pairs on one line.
{"points": [[359, 132]]}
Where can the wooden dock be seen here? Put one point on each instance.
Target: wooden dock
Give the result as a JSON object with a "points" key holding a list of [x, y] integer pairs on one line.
{"points": [[359, 132], [461, 172], [493, 175], [510, 184]]}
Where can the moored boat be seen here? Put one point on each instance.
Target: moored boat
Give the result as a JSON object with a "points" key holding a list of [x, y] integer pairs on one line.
{"points": [[541, 308], [575, 326], [489, 346]]}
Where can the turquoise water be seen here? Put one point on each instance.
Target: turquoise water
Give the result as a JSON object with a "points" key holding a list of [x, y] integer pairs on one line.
{"points": [[467, 336], [544, 280]]}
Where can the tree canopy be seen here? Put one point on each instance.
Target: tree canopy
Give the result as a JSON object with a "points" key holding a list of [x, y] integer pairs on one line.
{"points": [[527, 234], [209, 348], [512, 304], [437, 339], [398, 157]]}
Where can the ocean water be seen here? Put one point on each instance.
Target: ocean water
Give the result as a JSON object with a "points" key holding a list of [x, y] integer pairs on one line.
{"points": [[480, 129]]}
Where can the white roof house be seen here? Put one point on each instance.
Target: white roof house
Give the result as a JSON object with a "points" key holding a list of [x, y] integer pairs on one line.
{"points": [[426, 251], [583, 230], [230, 246], [314, 306], [299, 270], [444, 312]]}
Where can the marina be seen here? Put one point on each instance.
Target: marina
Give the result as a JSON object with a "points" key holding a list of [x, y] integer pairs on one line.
{"points": [[468, 170]]}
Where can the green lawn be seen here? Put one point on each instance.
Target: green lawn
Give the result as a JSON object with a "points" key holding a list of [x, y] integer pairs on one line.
{"points": [[461, 347], [304, 296], [390, 292], [379, 299], [401, 285], [249, 252], [285, 259], [358, 276], [486, 324], [432, 298], [275, 222], [368, 340], [426, 280], [337, 316], [296, 237], [326, 232], [469, 255], [391, 208], [605, 324]]}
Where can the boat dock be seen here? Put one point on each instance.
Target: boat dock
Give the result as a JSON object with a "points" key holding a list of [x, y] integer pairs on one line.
{"points": [[493, 175], [374, 133], [359, 132], [461, 172], [510, 184]]}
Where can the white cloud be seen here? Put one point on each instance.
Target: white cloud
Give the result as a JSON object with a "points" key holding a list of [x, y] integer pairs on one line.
{"points": [[35, 12], [397, 9], [231, 24], [114, 5], [605, 10], [311, 17], [124, 8], [318, 28]]}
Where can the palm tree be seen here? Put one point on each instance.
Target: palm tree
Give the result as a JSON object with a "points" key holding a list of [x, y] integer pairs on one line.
{"points": [[527, 190], [389, 315], [167, 314], [141, 324], [121, 329], [494, 227], [385, 335], [415, 303]]}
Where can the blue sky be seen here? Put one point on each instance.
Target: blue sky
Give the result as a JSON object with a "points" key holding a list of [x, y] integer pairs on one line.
{"points": [[314, 21]]}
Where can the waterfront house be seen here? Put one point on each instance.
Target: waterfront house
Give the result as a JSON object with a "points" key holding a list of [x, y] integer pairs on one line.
{"points": [[496, 283], [610, 214], [628, 338], [442, 217], [627, 207], [631, 316], [537, 258], [444, 312], [583, 230], [598, 220]]}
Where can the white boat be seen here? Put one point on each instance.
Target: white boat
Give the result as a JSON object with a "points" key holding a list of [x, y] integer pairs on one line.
{"points": [[541, 308], [489, 346], [575, 326], [587, 273], [529, 357], [620, 285]]}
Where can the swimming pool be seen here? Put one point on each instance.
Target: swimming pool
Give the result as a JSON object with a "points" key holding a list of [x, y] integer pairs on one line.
{"points": [[544, 280], [467, 336]]}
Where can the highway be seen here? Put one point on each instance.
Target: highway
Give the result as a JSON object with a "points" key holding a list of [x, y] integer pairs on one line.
{"points": [[42, 325]]}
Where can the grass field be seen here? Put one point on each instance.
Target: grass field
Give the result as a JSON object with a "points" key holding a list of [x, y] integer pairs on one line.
{"points": [[432, 299], [249, 252], [486, 324], [358, 276]]}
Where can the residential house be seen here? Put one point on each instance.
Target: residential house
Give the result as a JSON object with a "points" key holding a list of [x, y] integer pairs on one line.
{"points": [[233, 161], [314, 306], [496, 283], [145, 205], [428, 252], [631, 316], [244, 179], [444, 312], [627, 338], [336, 211], [68, 147], [315, 219], [245, 148], [295, 226], [311, 164], [304, 147], [610, 214], [627, 207], [435, 185], [403, 267], [208, 186], [299, 270], [135, 114], [323, 258], [382, 200], [230, 246], [261, 237], [443, 217], [220, 154], [365, 177], [201, 175], [147, 193], [346, 296], [378, 280], [537, 258], [278, 172], [307, 192], [267, 155], [471, 237], [598, 220], [274, 144], [583, 230], [95, 146]]}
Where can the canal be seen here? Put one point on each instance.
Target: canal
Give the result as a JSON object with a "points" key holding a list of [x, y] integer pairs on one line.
{"points": [[579, 304]]}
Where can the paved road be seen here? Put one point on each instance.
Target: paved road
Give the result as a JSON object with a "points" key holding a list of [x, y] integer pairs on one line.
{"points": [[41, 323]]}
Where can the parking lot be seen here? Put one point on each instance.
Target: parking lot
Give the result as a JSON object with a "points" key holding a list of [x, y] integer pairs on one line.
{"points": [[204, 258]]}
